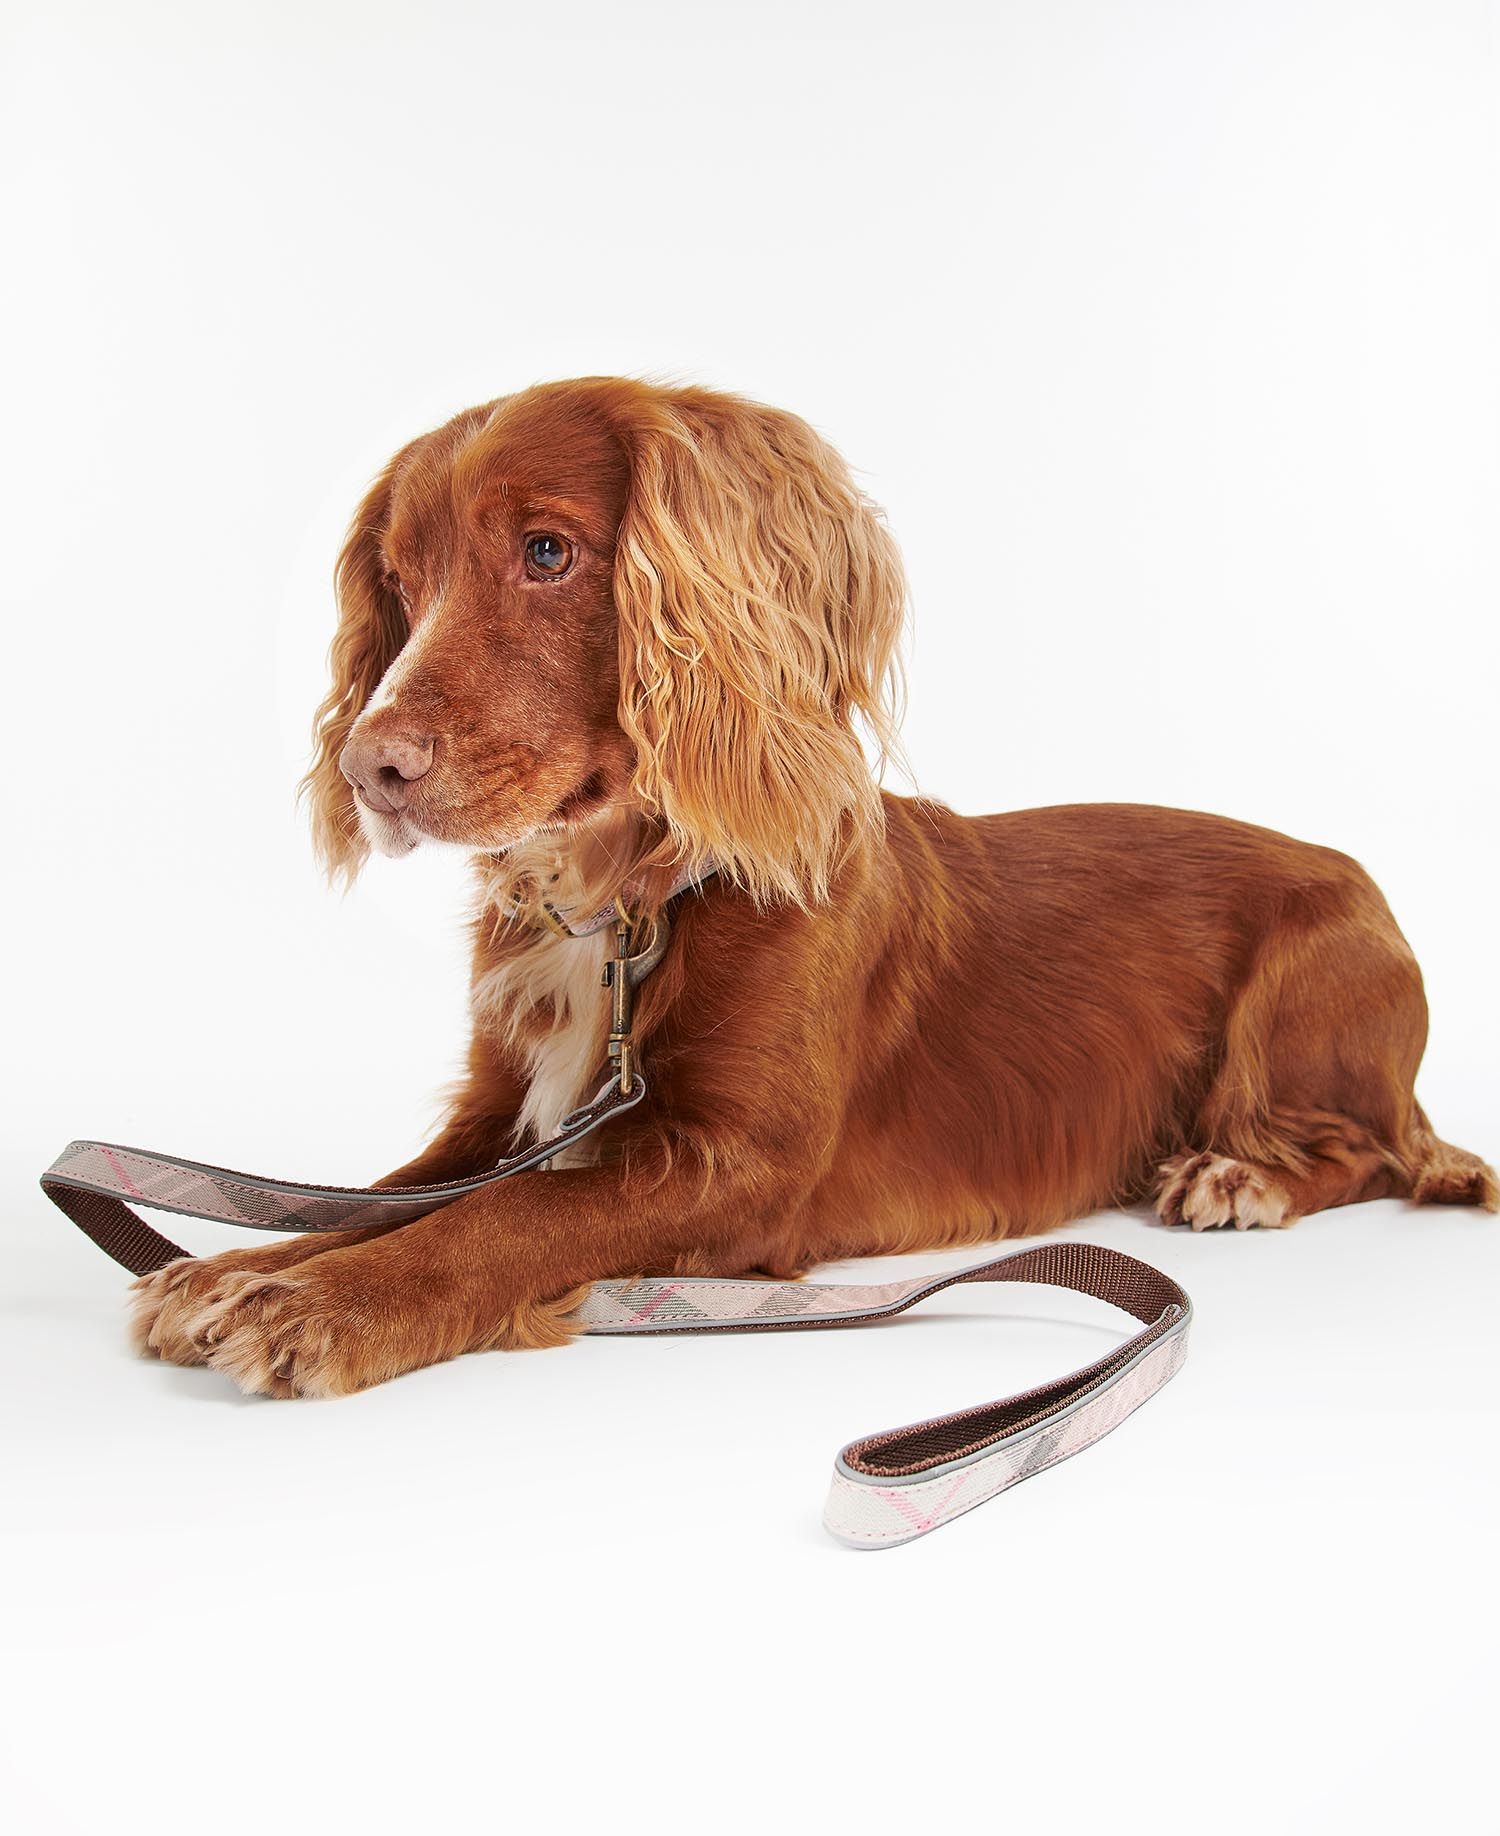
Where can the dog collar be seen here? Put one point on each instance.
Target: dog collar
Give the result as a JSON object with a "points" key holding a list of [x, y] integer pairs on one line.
{"points": [[563, 919]]}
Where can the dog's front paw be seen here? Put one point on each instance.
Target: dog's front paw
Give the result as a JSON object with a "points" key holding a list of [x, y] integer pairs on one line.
{"points": [[155, 1310], [328, 1326], [1210, 1190], [279, 1333], [166, 1305]]}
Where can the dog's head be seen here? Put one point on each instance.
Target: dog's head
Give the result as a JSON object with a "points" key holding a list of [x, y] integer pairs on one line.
{"points": [[601, 596]]}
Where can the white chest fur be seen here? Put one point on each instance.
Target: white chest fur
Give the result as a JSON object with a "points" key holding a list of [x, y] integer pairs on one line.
{"points": [[548, 1006]]}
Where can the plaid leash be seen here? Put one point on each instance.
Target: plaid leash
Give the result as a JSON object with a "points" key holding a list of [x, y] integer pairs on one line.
{"points": [[887, 1488]]}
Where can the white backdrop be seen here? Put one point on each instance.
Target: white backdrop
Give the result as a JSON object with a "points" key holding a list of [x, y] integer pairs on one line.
{"points": [[1165, 332]]}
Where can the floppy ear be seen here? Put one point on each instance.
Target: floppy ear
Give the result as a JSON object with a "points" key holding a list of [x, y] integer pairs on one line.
{"points": [[760, 600], [371, 630]]}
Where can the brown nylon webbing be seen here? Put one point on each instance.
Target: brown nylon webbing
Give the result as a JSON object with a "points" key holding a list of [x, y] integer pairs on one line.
{"points": [[195, 1189], [115, 1228]]}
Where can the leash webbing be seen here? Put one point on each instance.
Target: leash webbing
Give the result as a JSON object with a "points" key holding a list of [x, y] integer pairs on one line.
{"points": [[96, 1182], [887, 1488]]}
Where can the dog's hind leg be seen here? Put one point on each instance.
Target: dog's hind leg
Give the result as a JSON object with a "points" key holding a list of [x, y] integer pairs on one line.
{"points": [[1311, 1104]]}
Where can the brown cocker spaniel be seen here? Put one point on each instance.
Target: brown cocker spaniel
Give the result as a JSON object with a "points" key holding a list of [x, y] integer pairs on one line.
{"points": [[609, 636]]}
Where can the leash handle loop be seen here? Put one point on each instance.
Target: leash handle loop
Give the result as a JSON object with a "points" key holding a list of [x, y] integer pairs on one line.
{"points": [[897, 1485]]}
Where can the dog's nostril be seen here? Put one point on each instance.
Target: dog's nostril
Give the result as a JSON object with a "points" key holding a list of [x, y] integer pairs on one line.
{"points": [[384, 768], [402, 761]]}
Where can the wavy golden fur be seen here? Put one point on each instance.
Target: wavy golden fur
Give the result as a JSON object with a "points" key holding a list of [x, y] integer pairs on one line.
{"points": [[600, 633], [760, 601]]}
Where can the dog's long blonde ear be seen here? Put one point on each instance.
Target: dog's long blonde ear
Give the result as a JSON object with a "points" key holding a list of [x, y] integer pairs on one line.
{"points": [[371, 631], [761, 600]]}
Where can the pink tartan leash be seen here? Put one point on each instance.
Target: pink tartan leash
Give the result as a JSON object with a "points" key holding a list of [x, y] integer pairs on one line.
{"points": [[888, 1488]]}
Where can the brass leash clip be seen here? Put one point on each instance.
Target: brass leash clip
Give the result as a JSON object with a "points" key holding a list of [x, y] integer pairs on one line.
{"points": [[618, 981]]}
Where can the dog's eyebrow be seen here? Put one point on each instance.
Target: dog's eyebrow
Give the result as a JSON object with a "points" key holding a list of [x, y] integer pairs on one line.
{"points": [[529, 508], [534, 504]]}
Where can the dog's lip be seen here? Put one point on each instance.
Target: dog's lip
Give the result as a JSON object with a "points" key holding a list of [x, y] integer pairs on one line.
{"points": [[380, 808], [401, 833], [394, 834], [587, 798]]}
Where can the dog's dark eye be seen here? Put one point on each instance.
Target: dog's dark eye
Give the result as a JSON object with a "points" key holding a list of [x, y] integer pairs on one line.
{"points": [[548, 557]]}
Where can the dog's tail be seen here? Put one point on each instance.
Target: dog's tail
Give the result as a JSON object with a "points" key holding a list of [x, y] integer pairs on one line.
{"points": [[1442, 1174]]}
